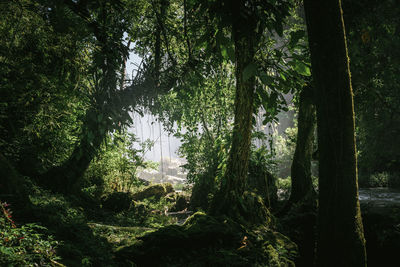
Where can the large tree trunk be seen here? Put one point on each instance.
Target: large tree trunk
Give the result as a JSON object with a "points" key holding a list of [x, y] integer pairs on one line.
{"points": [[302, 187], [340, 239], [65, 178], [237, 168], [232, 200]]}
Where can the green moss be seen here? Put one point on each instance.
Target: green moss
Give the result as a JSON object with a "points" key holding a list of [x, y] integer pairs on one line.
{"points": [[156, 190], [209, 241]]}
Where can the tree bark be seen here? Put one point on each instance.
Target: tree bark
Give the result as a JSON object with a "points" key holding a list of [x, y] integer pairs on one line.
{"points": [[232, 200], [64, 178], [340, 238], [302, 187]]}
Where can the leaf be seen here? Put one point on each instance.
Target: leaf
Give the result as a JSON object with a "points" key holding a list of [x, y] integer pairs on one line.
{"points": [[228, 53], [301, 68], [266, 79], [295, 37], [202, 42], [249, 71], [263, 95]]}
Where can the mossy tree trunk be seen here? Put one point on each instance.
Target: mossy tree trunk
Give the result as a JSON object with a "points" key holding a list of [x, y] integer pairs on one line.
{"points": [[302, 187], [65, 178], [340, 238], [231, 199], [237, 166]]}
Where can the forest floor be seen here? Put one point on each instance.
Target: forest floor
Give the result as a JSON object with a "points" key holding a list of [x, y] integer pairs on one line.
{"points": [[116, 230]]}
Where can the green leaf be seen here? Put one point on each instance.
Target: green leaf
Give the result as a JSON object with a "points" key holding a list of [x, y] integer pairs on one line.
{"points": [[295, 37], [266, 79], [301, 68], [249, 71], [228, 53]]}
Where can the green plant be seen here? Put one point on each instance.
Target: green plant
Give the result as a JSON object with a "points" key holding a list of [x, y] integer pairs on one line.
{"points": [[116, 166], [261, 180], [25, 245], [284, 185]]}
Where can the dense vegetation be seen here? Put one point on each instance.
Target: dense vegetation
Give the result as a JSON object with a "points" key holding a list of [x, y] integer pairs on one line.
{"points": [[282, 108]]}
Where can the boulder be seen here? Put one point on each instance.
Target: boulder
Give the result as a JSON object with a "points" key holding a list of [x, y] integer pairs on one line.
{"points": [[117, 201], [156, 190], [211, 241], [181, 203]]}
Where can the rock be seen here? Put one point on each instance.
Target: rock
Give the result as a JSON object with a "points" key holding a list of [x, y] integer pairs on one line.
{"points": [[171, 197], [140, 208], [210, 241], [168, 188], [156, 190], [180, 204], [117, 201], [144, 181]]}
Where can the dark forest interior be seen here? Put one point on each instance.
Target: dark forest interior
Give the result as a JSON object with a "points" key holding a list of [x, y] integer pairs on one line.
{"points": [[199, 133]]}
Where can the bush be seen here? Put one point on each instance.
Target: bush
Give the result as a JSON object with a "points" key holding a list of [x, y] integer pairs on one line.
{"points": [[24, 245], [284, 185], [260, 178], [379, 179]]}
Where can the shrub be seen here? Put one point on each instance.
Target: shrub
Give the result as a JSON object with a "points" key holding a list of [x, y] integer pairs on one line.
{"points": [[24, 245], [284, 186], [379, 179]]}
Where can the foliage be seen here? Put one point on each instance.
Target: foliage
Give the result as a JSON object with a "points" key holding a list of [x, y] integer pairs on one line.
{"points": [[67, 99], [116, 166], [40, 103], [260, 177], [66, 219], [284, 185], [380, 179], [373, 48], [284, 146], [26, 244], [203, 114]]}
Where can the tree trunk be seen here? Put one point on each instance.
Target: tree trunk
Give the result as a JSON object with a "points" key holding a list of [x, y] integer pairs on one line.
{"points": [[237, 168], [340, 238], [64, 178], [232, 200], [302, 187]]}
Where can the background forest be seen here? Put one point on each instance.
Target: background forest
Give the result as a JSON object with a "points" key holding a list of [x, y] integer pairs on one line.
{"points": [[282, 147]]}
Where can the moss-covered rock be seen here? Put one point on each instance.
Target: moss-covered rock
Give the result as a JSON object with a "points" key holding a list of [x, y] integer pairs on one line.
{"points": [[117, 201], [209, 241], [181, 203], [156, 190]]}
